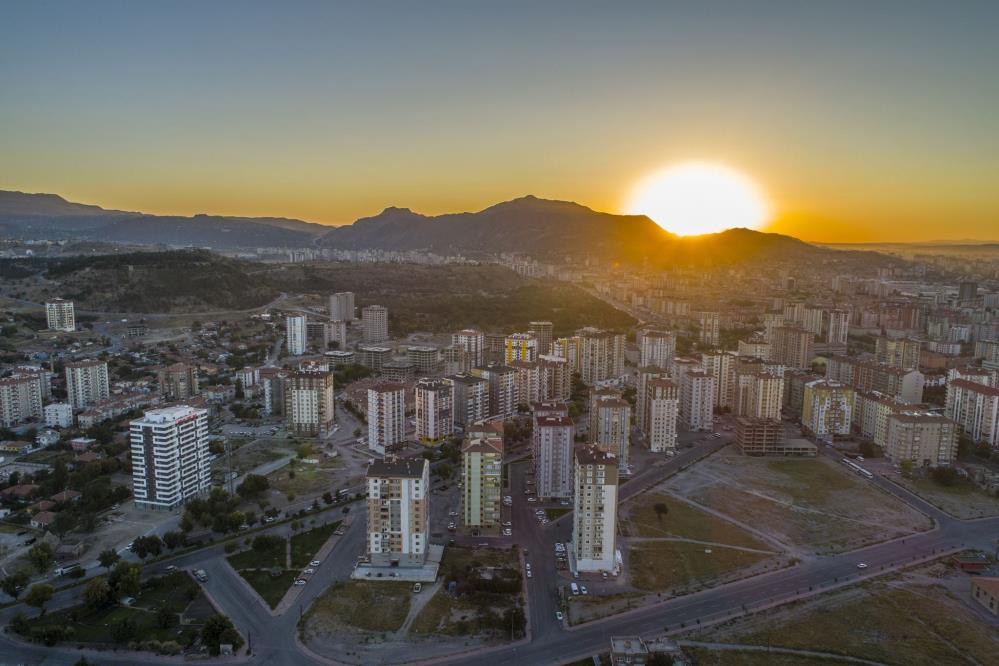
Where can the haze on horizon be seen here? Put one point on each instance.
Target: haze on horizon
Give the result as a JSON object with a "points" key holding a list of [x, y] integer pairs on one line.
{"points": [[861, 122]]}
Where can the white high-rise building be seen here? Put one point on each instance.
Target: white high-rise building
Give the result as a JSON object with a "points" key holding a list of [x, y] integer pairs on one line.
{"points": [[170, 458], [502, 389], [87, 383], [657, 349], [601, 355], [58, 415], [309, 402], [555, 378], [520, 347], [469, 399], [924, 438], [473, 342], [697, 401], [60, 315], [338, 333], [434, 411], [709, 328], [663, 407], [398, 511], [610, 423], [759, 395], [342, 306], [722, 365], [386, 416], [482, 473], [594, 523], [552, 445], [297, 334], [975, 408], [374, 319], [645, 375], [838, 327], [21, 399]]}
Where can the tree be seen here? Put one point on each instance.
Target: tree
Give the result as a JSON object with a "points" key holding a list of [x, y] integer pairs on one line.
{"points": [[906, 467], [252, 486], [219, 629], [39, 595], [147, 545], [97, 592], [13, 584], [124, 580], [174, 539], [661, 509], [444, 471], [41, 556], [108, 558], [327, 497], [123, 630]]}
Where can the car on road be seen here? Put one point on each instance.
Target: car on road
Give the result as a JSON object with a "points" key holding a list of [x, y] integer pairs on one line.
{"points": [[862, 565], [300, 582], [507, 532], [417, 587], [583, 590], [314, 563], [171, 567], [309, 571], [529, 575], [532, 499], [507, 524], [558, 615], [269, 519]]}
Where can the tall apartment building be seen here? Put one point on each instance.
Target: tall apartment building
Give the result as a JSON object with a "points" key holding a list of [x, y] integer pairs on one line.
{"points": [[657, 349], [482, 474], [866, 375], [60, 315], [398, 512], [493, 348], [425, 358], [272, 381], [555, 378], [871, 410], [520, 347], [552, 445], [899, 352], [543, 331], [721, 364], [57, 414], [601, 355], [502, 389], [309, 402], [975, 408], [610, 423], [758, 437], [838, 327], [697, 401], [568, 348], [924, 438], [434, 411], [791, 346], [386, 416], [755, 347], [338, 333], [455, 360], [759, 395], [87, 383], [812, 320], [645, 375], [178, 381], [20, 399], [44, 375], [527, 383], [771, 321], [709, 333], [473, 342], [827, 409], [297, 334], [342, 306], [594, 522], [469, 399], [662, 400], [374, 320], [171, 462]]}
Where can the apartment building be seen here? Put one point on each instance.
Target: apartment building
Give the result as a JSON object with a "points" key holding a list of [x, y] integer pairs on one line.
{"points": [[434, 411], [827, 410], [723, 366], [297, 334], [555, 378], [386, 416], [601, 355], [482, 474], [838, 327], [709, 333], [644, 376], [469, 399], [759, 395], [657, 349], [398, 512], [338, 333], [899, 352], [791, 346], [758, 436], [309, 402], [544, 332], [342, 306], [60, 315], [426, 359], [527, 383], [87, 383], [975, 408], [610, 423], [552, 441], [272, 381], [502, 389], [171, 462], [374, 320], [594, 525], [697, 401], [473, 342], [21, 399], [662, 409], [178, 381], [520, 347], [923, 438], [871, 410], [568, 348]]}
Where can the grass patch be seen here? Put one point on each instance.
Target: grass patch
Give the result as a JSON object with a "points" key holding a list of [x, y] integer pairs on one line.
{"points": [[962, 500], [255, 559], [271, 588], [365, 605], [664, 565], [300, 479], [305, 545], [706, 657], [556, 513], [682, 520]]}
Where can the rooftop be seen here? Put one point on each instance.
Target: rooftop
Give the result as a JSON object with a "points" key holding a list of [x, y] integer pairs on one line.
{"points": [[409, 468]]}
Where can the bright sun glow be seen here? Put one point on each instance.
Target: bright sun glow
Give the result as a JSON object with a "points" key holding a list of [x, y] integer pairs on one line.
{"points": [[700, 198]]}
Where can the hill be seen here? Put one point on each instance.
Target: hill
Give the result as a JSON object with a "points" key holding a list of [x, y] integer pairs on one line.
{"points": [[48, 216], [550, 229]]}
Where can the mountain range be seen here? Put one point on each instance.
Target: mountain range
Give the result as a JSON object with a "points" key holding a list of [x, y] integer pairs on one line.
{"points": [[528, 225]]}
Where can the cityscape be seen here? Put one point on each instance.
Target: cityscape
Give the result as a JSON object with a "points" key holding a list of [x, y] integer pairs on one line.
{"points": [[727, 401]]}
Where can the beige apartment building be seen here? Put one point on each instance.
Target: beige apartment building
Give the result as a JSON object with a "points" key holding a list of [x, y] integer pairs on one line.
{"points": [[309, 406], [923, 438], [482, 473], [594, 526], [398, 511]]}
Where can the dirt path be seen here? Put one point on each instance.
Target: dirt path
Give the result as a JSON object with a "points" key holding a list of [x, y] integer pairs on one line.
{"points": [[419, 601], [738, 647]]}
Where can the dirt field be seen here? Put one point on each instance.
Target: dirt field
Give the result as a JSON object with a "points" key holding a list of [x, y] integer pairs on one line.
{"points": [[963, 501], [918, 618], [808, 505]]}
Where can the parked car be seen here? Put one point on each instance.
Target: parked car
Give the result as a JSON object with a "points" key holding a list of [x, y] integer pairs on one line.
{"points": [[314, 563], [417, 587]]}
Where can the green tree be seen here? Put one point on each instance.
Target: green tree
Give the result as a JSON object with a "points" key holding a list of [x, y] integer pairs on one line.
{"points": [[39, 595], [661, 509], [97, 592], [147, 545], [124, 580], [108, 558], [41, 556], [13, 584], [906, 467], [174, 539], [219, 629], [252, 486]]}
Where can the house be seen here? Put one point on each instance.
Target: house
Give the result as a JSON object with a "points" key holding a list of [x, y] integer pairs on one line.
{"points": [[81, 444], [42, 520], [66, 496], [41, 505], [20, 491], [975, 563], [47, 438], [16, 447], [88, 457], [985, 591]]}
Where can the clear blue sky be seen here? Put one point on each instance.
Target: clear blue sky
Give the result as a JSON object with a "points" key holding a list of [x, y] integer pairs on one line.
{"points": [[859, 119]]}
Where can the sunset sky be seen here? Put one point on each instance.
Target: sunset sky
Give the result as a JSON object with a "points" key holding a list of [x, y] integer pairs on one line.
{"points": [[859, 120]]}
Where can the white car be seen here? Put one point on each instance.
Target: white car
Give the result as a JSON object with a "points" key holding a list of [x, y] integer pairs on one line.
{"points": [[508, 524], [532, 499], [862, 565], [508, 532], [582, 589], [529, 573], [300, 581], [527, 565], [558, 615], [314, 563]]}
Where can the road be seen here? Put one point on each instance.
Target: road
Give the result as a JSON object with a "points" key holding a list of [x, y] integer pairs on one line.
{"points": [[273, 638]]}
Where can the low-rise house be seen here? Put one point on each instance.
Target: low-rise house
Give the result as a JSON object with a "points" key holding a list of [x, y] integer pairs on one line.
{"points": [[40, 506], [985, 591], [42, 520], [20, 491], [66, 496], [81, 444]]}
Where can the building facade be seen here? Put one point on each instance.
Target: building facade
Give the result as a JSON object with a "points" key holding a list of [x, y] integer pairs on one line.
{"points": [[386, 416], [87, 383], [398, 511], [171, 462], [374, 319], [594, 525], [309, 403], [482, 474]]}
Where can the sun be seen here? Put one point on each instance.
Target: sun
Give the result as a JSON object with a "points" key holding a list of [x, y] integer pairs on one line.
{"points": [[699, 198]]}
